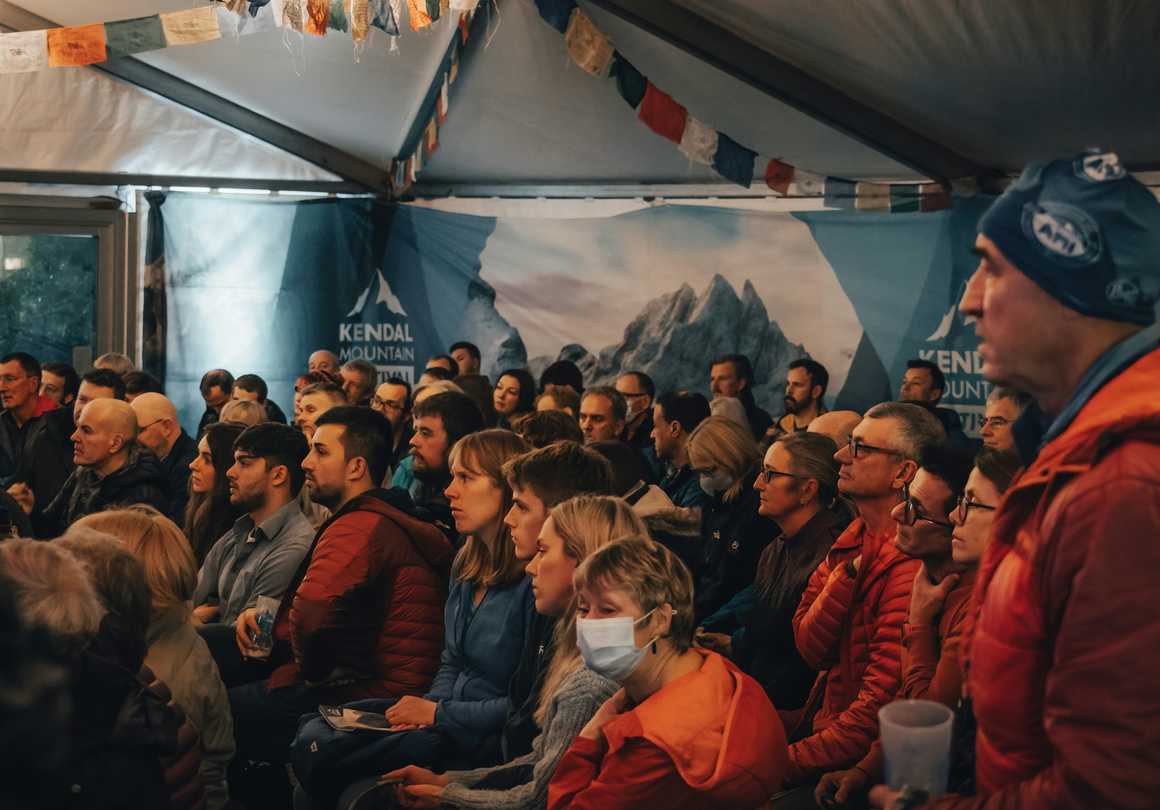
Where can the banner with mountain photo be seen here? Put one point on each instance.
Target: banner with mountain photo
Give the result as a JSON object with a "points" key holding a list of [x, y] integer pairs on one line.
{"points": [[255, 286]]}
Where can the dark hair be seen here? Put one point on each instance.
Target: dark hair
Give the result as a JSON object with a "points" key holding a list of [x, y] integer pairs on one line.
{"points": [[141, 382], [527, 400], [439, 373], [216, 377], [560, 471], [478, 387], [619, 404], [454, 363], [330, 389], [998, 466], [277, 445], [627, 466], [209, 514], [687, 408], [470, 348], [253, 384], [816, 371], [317, 378], [459, 414], [741, 365], [106, 378], [563, 372], [72, 380], [938, 379], [29, 364], [546, 427], [950, 464], [405, 384], [366, 435], [642, 379]]}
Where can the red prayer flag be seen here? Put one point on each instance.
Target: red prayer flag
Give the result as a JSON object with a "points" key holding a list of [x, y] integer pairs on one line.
{"points": [[663, 116], [317, 17], [933, 197], [79, 45], [778, 176]]}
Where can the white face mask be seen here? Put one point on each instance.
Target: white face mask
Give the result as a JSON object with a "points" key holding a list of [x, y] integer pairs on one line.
{"points": [[608, 646], [716, 483]]}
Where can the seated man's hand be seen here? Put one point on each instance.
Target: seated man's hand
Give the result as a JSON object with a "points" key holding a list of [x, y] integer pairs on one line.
{"points": [[24, 496], [419, 796], [412, 712], [413, 775], [838, 787], [206, 613], [246, 629]]}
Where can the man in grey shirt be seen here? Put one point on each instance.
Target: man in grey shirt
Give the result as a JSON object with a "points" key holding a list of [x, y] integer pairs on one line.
{"points": [[259, 555]]}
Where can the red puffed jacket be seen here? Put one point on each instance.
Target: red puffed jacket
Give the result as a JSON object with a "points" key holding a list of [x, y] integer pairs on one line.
{"points": [[1064, 665], [363, 616], [849, 628]]}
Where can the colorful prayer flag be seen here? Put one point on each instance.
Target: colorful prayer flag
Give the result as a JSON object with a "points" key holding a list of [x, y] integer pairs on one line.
{"points": [[663, 116], [358, 13], [934, 197], [839, 193], [630, 83], [733, 161], [778, 176], [589, 48], [872, 197], [443, 104], [337, 20], [79, 45], [699, 142], [556, 13], [464, 6], [23, 52], [431, 137], [904, 198], [127, 37], [420, 19], [191, 26], [434, 9], [383, 18], [317, 17], [808, 184]]}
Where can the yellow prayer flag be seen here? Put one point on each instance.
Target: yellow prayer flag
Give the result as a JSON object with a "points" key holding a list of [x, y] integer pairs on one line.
{"points": [[191, 26]]}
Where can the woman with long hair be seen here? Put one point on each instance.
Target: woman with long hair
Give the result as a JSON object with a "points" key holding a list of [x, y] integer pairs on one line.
{"points": [[176, 653], [458, 722], [209, 513], [733, 535], [687, 729], [514, 395], [571, 693]]}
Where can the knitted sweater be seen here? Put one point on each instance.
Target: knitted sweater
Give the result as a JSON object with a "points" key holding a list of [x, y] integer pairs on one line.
{"points": [[573, 705]]}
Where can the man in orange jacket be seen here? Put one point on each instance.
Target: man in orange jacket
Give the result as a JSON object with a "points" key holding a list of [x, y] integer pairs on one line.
{"points": [[1065, 659], [849, 623]]}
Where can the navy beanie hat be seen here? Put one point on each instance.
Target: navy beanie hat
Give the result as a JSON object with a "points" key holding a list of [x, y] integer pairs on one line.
{"points": [[1085, 231]]}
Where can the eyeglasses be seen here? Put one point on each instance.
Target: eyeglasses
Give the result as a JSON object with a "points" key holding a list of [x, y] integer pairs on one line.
{"points": [[996, 421], [857, 447], [965, 504], [767, 474], [912, 512], [376, 402]]}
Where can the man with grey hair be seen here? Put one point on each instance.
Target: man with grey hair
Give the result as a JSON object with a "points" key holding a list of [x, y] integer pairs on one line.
{"points": [[116, 362], [603, 414], [856, 601], [359, 378], [1004, 406], [52, 591]]}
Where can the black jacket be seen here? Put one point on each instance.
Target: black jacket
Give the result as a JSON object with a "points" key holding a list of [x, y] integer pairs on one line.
{"points": [[175, 468], [759, 420], [764, 645], [733, 536], [48, 459], [141, 480], [274, 413], [13, 443]]}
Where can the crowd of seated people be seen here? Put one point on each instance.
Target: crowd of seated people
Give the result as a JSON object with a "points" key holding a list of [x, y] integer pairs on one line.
{"points": [[540, 594]]}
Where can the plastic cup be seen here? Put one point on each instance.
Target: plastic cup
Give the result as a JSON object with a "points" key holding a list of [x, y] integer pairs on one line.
{"points": [[916, 738], [263, 643]]}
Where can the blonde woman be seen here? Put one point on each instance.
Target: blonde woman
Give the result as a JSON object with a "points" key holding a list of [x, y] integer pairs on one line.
{"points": [[176, 653], [725, 457], [570, 694], [243, 411], [458, 722], [688, 729]]}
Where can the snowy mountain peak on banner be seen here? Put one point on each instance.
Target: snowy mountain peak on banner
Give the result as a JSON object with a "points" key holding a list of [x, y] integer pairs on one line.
{"points": [[384, 296], [677, 335]]}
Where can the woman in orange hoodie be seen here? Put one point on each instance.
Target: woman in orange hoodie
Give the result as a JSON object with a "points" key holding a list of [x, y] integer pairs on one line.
{"points": [[688, 729]]}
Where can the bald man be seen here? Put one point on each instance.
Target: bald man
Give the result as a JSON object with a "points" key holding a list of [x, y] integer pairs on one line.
{"points": [[112, 468], [838, 425], [159, 431], [322, 360]]}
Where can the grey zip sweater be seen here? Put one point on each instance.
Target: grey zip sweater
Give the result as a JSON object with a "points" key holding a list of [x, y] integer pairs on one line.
{"points": [[573, 705]]}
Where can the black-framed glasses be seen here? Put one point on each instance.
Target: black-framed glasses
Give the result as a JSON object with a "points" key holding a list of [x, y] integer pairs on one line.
{"points": [[965, 504], [912, 512], [767, 474], [996, 422], [857, 447], [377, 402]]}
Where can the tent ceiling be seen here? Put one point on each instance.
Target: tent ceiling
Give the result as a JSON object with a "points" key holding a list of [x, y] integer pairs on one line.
{"points": [[1001, 82]]}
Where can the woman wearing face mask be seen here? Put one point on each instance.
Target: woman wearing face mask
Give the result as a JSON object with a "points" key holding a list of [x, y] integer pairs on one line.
{"points": [[570, 694], [925, 661], [688, 729], [457, 723], [209, 513], [733, 534]]}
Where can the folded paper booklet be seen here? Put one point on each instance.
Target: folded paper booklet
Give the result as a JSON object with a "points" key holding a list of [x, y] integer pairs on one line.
{"points": [[343, 719]]}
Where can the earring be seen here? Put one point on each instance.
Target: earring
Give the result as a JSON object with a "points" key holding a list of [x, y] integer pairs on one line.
{"points": [[654, 648]]}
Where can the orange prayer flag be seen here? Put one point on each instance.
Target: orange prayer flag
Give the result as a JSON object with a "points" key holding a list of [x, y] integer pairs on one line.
{"points": [[420, 19], [79, 45], [317, 16]]}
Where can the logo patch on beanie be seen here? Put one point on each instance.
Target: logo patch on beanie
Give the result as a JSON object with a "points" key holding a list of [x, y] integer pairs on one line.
{"points": [[1125, 292], [1063, 233], [1099, 167]]}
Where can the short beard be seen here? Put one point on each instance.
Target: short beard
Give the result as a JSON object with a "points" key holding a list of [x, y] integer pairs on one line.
{"points": [[247, 505], [325, 497], [431, 476], [793, 406]]}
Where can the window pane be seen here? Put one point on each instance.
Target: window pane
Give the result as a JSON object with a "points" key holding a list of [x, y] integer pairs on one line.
{"points": [[48, 293]]}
